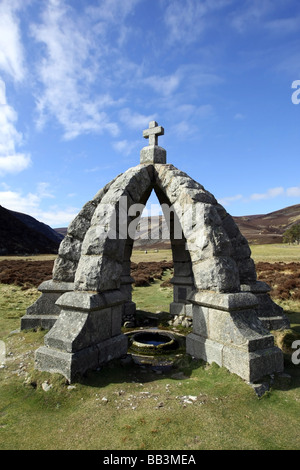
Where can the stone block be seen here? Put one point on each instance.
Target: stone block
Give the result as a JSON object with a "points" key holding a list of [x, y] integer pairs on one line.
{"points": [[177, 308], [200, 320], [116, 320], [97, 273], [241, 328], [76, 330], [153, 154], [189, 310], [87, 301], [44, 312], [183, 269], [224, 301], [70, 248], [64, 269], [217, 273], [129, 309], [252, 366], [73, 365], [204, 348]]}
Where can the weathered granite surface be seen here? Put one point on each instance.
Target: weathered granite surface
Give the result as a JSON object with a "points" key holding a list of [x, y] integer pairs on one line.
{"points": [[215, 285]]}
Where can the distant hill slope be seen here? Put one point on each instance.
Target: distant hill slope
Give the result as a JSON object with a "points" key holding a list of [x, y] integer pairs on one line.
{"points": [[62, 231], [268, 228], [257, 229], [22, 234]]}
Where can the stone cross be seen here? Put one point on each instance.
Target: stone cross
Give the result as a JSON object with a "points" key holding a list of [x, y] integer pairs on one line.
{"points": [[153, 132]]}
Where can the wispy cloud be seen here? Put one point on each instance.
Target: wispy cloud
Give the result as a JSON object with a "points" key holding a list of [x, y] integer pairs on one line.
{"points": [[165, 85], [239, 116], [67, 73], [186, 20], [126, 147], [10, 160], [293, 191], [134, 120], [269, 194], [12, 60], [226, 201]]}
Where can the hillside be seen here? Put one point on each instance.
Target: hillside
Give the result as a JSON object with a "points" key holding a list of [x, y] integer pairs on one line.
{"points": [[258, 229], [22, 234], [268, 228]]}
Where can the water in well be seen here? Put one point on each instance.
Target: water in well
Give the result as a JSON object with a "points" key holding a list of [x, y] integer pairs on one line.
{"points": [[155, 347]]}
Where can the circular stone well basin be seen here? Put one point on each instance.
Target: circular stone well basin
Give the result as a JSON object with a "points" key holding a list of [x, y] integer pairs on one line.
{"points": [[155, 347], [153, 342]]}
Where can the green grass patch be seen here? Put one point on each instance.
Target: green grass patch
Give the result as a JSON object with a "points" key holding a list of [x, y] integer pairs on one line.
{"points": [[154, 298], [193, 406], [274, 253]]}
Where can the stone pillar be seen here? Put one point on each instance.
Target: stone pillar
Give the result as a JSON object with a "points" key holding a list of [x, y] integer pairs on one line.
{"points": [[44, 312], [270, 314], [182, 288], [227, 331], [129, 307], [86, 334]]}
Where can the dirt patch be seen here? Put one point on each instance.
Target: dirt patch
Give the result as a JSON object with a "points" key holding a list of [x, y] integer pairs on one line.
{"points": [[283, 278], [144, 273], [26, 274]]}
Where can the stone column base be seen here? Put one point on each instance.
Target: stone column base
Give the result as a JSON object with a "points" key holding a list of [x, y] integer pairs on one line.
{"points": [[44, 312], [227, 331], [250, 366], [72, 365], [86, 334]]}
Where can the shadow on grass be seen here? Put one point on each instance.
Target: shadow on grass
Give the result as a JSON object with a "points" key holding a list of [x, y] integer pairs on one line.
{"points": [[117, 373]]}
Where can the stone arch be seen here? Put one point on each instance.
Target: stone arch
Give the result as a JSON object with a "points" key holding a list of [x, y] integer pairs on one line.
{"points": [[214, 279]]}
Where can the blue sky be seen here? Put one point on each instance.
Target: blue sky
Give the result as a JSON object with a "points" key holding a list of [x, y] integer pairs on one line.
{"points": [[80, 80]]}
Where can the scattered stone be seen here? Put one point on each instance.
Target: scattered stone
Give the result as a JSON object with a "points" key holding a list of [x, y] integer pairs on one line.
{"points": [[105, 400], [129, 324], [71, 387], [261, 389], [46, 386]]}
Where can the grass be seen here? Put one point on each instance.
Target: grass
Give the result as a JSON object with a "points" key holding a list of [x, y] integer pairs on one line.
{"points": [[126, 407], [154, 298], [269, 253], [275, 253]]}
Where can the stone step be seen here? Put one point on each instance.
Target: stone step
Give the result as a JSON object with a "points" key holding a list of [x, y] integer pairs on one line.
{"points": [[38, 321]]}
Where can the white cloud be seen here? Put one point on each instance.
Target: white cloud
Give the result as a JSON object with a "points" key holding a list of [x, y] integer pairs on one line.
{"points": [[11, 49], [10, 160], [272, 193], [30, 204], [67, 73], [165, 85], [16, 201], [226, 201], [125, 147], [239, 116], [184, 129], [293, 191], [135, 121], [269, 194], [56, 217], [186, 20], [251, 13]]}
